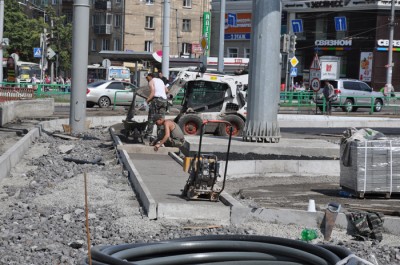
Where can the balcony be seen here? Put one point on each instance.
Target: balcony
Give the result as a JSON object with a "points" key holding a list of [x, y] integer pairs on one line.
{"points": [[103, 29], [102, 5]]}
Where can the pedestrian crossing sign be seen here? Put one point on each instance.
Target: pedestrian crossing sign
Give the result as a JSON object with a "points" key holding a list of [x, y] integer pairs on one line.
{"points": [[37, 52], [293, 71]]}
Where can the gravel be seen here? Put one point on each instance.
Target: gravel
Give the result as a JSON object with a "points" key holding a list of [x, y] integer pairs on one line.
{"points": [[42, 209]]}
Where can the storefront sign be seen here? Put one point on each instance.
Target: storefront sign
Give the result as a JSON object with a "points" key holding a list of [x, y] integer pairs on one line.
{"points": [[366, 66], [238, 28], [385, 43], [207, 28], [295, 5], [333, 42]]}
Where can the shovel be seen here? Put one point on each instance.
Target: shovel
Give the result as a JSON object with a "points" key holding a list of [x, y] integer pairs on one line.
{"points": [[331, 213]]}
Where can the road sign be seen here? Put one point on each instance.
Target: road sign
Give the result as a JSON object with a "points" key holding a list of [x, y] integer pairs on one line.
{"points": [[297, 25], [203, 43], [5, 42], [315, 85], [37, 52], [340, 24], [293, 72], [50, 53], [315, 65], [232, 20], [294, 61]]}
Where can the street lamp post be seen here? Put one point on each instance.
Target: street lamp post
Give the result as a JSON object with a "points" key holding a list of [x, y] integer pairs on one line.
{"points": [[390, 48], [1, 38]]}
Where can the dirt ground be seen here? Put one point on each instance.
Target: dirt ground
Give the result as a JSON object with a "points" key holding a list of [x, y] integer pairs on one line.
{"points": [[295, 193]]}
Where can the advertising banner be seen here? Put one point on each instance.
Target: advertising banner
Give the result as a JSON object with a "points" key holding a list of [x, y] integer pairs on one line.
{"points": [[366, 66]]}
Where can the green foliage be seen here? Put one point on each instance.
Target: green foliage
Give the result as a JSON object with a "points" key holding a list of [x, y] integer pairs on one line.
{"points": [[24, 33]]}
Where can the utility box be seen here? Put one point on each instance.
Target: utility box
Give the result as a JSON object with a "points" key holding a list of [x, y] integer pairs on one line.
{"points": [[371, 167]]}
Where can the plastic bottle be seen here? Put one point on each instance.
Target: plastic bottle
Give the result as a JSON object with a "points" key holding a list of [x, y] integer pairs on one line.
{"points": [[308, 234]]}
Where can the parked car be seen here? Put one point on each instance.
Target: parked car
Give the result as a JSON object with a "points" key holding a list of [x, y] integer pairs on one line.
{"points": [[352, 94], [104, 92]]}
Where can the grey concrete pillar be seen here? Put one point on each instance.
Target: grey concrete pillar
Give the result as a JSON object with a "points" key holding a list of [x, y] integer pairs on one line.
{"points": [[264, 73], [80, 49], [221, 37], [165, 46]]}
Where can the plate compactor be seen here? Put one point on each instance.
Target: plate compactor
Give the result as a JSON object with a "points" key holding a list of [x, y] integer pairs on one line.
{"points": [[205, 182]]}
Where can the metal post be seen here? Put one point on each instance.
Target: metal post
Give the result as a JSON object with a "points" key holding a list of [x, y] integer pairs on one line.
{"points": [[264, 77], [177, 33], [43, 55], [221, 37], [1, 37], [165, 46], [80, 40], [390, 49]]}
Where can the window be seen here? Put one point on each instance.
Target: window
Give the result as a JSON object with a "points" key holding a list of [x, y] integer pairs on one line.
{"points": [[186, 48], [117, 21], [246, 52], [148, 46], [68, 16], [116, 86], [149, 2], [233, 52], [149, 22], [105, 44], [187, 3], [186, 25], [102, 18], [118, 1], [93, 45], [117, 44]]}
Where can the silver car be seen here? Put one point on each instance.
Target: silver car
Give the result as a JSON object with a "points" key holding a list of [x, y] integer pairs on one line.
{"points": [[351, 95], [105, 92]]}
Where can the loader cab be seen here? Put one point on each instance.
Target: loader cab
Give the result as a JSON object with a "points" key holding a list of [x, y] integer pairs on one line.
{"points": [[205, 96]]}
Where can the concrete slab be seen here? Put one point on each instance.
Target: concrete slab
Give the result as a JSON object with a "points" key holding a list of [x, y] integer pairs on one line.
{"points": [[165, 180], [286, 149]]}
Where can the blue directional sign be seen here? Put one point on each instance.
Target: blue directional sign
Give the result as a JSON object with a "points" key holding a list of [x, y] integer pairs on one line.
{"points": [[297, 25], [293, 72], [340, 24], [37, 52], [232, 20]]}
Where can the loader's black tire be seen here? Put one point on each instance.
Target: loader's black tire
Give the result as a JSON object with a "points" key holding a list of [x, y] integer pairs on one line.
{"points": [[190, 124], [237, 123]]}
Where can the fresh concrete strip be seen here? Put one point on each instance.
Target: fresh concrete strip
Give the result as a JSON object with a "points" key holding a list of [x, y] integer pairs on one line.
{"points": [[13, 155]]}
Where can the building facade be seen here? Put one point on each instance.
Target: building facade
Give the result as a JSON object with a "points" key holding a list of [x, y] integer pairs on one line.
{"points": [[355, 31], [136, 25], [144, 25]]}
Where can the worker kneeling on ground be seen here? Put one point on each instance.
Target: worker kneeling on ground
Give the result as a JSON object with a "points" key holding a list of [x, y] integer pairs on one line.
{"points": [[169, 133]]}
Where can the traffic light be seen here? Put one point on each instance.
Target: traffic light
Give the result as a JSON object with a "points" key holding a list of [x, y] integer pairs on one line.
{"points": [[285, 43], [47, 39], [292, 45]]}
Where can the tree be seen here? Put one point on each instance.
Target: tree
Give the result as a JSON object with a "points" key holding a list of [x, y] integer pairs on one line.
{"points": [[24, 33], [62, 39]]}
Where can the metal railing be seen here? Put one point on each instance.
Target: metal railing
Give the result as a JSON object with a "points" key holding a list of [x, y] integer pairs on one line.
{"points": [[9, 92]]}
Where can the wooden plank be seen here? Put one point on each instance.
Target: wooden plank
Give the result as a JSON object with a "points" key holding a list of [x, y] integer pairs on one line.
{"points": [[66, 137]]}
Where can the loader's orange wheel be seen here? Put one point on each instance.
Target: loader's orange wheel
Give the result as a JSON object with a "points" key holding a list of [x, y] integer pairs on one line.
{"points": [[190, 124]]}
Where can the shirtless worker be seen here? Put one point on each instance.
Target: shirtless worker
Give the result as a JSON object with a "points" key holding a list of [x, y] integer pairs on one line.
{"points": [[170, 134], [157, 100]]}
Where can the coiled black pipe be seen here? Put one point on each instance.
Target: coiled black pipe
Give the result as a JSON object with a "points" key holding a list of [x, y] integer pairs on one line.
{"points": [[219, 250]]}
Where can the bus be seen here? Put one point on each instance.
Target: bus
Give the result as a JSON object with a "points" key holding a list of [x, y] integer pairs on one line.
{"points": [[97, 72], [25, 72], [20, 73]]}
